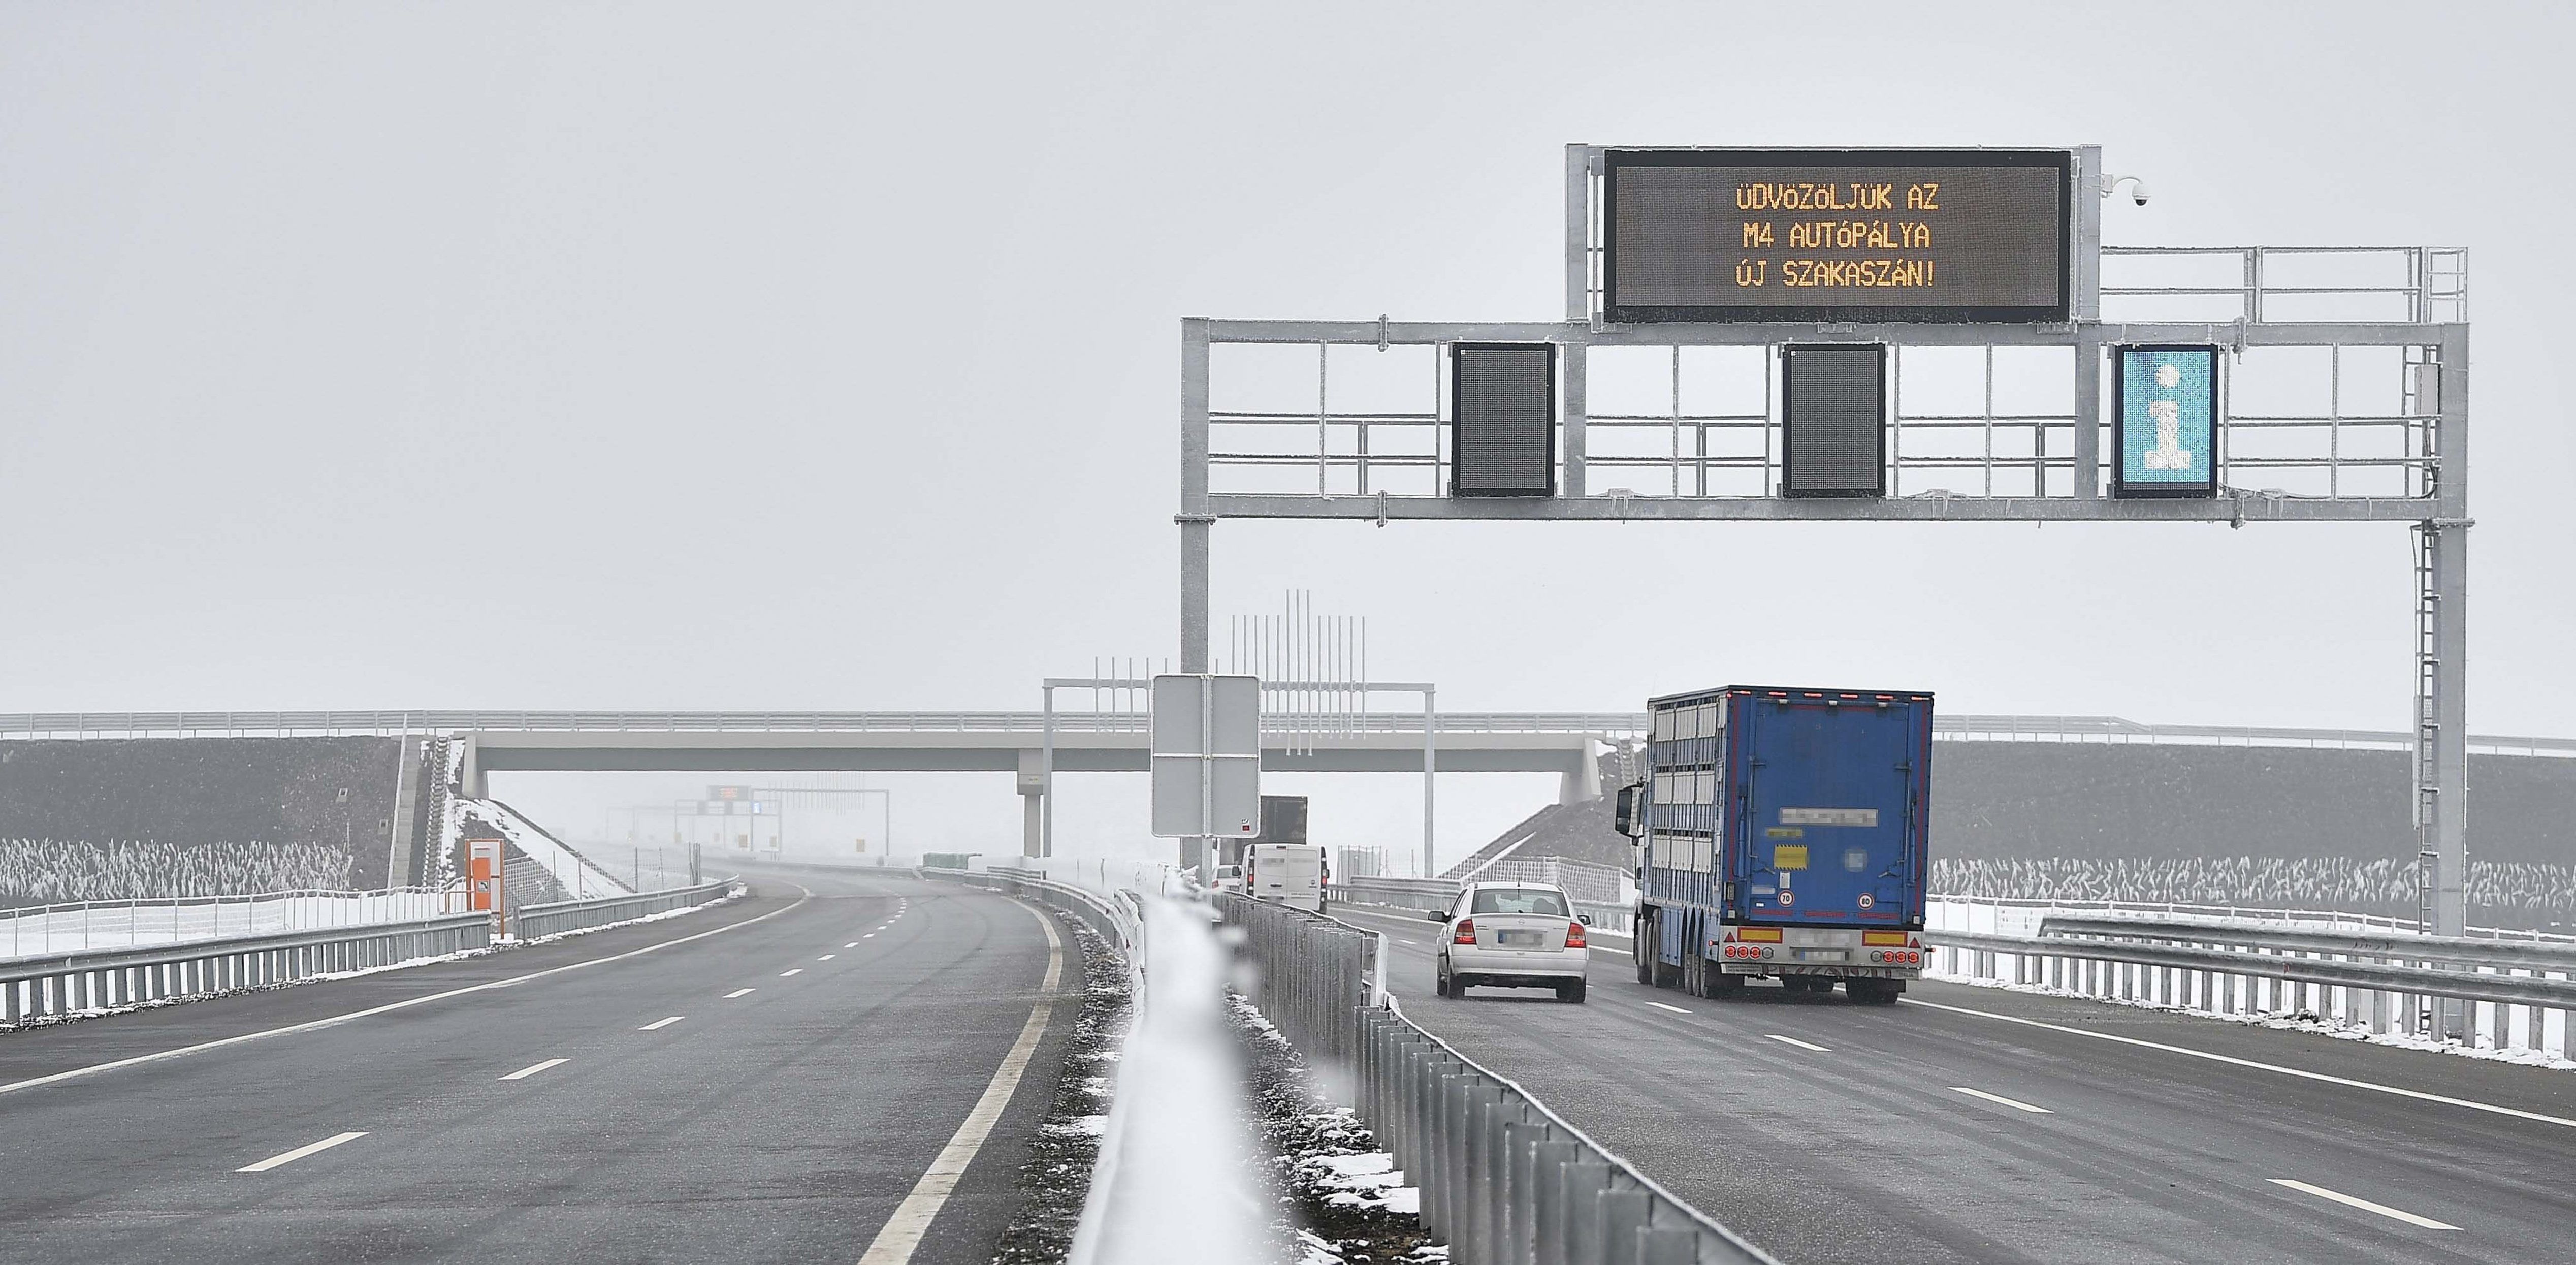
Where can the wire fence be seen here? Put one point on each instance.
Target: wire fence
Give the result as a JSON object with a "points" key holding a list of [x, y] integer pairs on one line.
{"points": [[73, 928], [2536, 895]]}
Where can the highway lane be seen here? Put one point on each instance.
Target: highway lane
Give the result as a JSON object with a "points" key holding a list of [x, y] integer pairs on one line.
{"points": [[645, 1108], [1830, 1132]]}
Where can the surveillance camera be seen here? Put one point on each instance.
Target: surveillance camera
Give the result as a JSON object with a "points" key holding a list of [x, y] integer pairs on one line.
{"points": [[2138, 191], [2137, 187]]}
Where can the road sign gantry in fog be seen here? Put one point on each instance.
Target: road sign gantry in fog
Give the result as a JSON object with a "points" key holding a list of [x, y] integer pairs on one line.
{"points": [[1927, 260]]}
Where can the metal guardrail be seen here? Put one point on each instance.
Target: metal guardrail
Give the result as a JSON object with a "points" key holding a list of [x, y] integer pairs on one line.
{"points": [[2378, 980], [529, 922], [67, 983], [1114, 916], [1503, 1179]]}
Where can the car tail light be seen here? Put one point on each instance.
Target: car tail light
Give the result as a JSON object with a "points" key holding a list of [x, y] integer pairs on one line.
{"points": [[1466, 932], [1574, 936]]}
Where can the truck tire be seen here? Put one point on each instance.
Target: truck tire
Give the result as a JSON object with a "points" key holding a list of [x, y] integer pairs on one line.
{"points": [[1642, 947]]}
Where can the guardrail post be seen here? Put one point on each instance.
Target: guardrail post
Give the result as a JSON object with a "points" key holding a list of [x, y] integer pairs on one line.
{"points": [[1483, 1105], [1661, 1246], [1585, 1180], [1551, 1168], [1521, 1140], [1623, 1215]]}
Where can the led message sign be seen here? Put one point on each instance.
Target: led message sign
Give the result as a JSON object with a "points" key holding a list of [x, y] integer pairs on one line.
{"points": [[2166, 400], [1836, 235]]}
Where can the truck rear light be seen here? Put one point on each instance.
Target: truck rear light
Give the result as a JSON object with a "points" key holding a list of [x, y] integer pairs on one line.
{"points": [[1574, 936], [1466, 932]]}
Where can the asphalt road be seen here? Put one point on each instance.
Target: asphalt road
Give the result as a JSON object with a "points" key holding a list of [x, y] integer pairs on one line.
{"points": [[1828, 1132], [655, 1115]]}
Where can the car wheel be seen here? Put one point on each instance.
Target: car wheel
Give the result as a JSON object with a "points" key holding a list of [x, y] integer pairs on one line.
{"points": [[1440, 980], [1572, 992]]}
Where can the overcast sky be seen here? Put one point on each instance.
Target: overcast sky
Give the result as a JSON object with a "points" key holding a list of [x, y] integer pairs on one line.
{"points": [[788, 356]]}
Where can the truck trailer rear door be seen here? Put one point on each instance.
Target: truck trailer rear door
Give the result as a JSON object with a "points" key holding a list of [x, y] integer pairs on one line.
{"points": [[1827, 812]]}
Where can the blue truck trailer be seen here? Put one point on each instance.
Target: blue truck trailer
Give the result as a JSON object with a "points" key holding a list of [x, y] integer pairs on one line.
{"points": [[1783, 833]]}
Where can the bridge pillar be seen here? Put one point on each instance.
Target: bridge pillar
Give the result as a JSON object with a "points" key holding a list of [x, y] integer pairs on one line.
{"points": [[1032, 787], [1580, 783]]}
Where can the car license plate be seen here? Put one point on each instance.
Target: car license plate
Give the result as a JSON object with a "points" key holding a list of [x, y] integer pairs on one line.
{"points": [[1522, 939]]}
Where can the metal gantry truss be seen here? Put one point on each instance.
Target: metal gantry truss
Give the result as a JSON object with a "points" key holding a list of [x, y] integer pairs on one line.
{"points": [[2346, 401]]}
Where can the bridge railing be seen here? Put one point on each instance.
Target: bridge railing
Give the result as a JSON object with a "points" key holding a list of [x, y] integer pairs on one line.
{"points": [[2108, 729], [1503, 1178], [2517, 993]]}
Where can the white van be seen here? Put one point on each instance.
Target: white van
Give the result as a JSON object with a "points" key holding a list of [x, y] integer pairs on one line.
{"points": [[1289, 873]]}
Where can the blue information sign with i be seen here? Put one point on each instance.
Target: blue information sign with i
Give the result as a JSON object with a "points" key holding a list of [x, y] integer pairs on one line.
{"points": [[2167, 401]]}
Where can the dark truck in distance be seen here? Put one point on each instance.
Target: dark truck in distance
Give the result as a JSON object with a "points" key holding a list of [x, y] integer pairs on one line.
{"points": [[1784, 834]]}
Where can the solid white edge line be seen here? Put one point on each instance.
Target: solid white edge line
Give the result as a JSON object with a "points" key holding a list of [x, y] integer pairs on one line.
{"points": [[2232, 1060], [902, 1233], [1662, 1006], [1803, 1045], [405, 1004], [739, 992], [534, 1068], [2364, 1204], [661, 1023], [300, 1152], [2009, 1102]]}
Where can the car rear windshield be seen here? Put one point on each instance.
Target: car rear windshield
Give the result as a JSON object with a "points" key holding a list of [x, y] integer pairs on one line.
{"points": [[1519, 900]]}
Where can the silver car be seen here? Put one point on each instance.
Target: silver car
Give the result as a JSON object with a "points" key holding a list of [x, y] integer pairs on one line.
{"points": [[1513, 935]]}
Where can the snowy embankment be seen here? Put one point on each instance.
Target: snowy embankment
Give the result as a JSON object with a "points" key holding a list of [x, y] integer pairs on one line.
{"points": [[578, 876]]}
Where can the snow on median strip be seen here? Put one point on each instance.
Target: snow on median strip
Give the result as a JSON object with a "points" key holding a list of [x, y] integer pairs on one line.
{"points": [[661, 1023], [1803, 1045], [2364, 1204], [300, 1152], [1998, 1098], [534, 1068]]}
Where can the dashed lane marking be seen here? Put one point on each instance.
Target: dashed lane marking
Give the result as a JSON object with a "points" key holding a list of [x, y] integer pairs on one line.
{"points": [[793, 970], [300, 1152], [661, 1023], [1998, 1098], [1803, 1045], [851, 945], [1661, 1006], [534, 1068], [737, 993], [827, 957], [2351, 1201]]}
